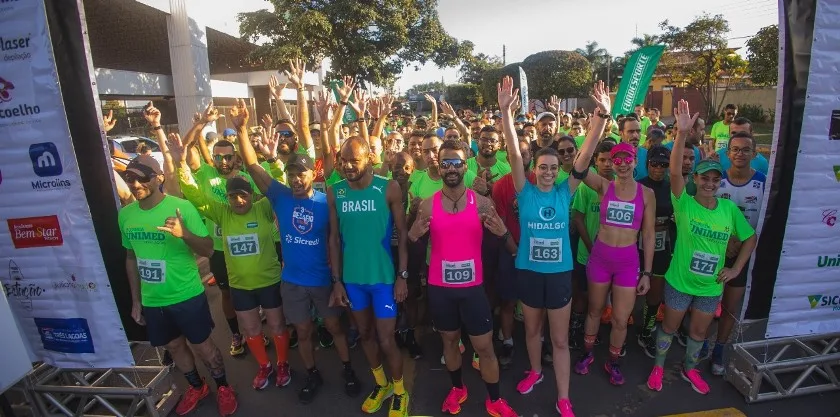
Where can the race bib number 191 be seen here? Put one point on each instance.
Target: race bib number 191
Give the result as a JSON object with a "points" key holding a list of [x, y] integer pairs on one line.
{"points": [[152, 271], [704, 263], [457, 273], [545, 250], [243, 245]]}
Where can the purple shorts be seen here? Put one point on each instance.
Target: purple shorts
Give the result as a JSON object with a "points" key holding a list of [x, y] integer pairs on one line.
{"points": [[619, 266]]}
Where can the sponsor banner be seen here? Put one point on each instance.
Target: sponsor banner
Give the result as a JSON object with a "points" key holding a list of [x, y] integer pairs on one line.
{"points": [[15, 361], [637, 75], [523, 91], [51, 268], [806, 297]]}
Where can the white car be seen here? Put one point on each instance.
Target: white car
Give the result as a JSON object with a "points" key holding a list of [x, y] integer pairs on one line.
{"points": [[127, 146]]}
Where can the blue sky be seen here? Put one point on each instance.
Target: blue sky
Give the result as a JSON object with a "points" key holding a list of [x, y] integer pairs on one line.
{"points": [[537, 25]]}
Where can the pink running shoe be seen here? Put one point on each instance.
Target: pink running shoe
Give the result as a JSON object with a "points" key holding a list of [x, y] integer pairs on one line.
{"points": [[499, 408], [564, 407], [697, 383], [526, 385], [453, 401], [654, 381]]}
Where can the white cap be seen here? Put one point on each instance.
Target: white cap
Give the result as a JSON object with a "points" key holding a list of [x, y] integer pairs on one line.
{"points": [[546, 114]]}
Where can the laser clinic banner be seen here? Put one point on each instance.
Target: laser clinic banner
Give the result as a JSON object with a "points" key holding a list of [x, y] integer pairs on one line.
{"points": [[806, 298], [51, 266], [636, 79]]}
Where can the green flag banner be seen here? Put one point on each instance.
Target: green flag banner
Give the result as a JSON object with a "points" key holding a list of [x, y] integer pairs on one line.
{"points": [[637, 75], [349, 115]]}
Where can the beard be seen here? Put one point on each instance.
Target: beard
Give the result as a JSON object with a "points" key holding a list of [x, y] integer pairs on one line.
{"points": [[453, 179]]}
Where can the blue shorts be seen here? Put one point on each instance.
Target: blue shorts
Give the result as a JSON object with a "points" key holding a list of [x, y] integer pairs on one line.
{"points": [[380, 296]]}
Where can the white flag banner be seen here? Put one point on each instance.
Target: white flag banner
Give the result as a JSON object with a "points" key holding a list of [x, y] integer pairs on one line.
{"points": [[50, 263], [523, 91], [806, 298]]}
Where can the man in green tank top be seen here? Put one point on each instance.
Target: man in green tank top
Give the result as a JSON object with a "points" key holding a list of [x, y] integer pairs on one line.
{"points": [[364, 209]]}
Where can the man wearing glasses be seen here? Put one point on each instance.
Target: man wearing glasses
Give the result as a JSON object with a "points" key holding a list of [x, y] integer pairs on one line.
{"points": [[720, 130], [486, 165], [757, 161]]}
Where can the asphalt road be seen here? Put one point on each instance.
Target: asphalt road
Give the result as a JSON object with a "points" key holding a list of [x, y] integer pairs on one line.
{"points": [[428, 382]]}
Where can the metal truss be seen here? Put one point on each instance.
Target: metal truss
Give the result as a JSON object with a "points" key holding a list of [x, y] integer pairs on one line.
{"points": [[786, 367]]}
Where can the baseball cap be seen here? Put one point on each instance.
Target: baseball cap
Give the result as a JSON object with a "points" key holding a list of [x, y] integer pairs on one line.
{"points": [[211, 136], [238, 185], [623, 147], [659, 154], [707, 165], [144, 166], [546, 114], [315, 126], [229, 132], [301, 161]]}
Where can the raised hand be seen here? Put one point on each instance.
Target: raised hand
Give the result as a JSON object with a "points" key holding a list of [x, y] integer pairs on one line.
{"points": [[447, 109], [322, 104], [345, 90], [211, 113], [268, 146], [295, 75], [553, 104], [684, 119], [267, 121], [152, 114], [276, 88], [174, 225], [601, 97], [494, 223], [176, 147], [387, 105], [507, 95], [375, 105], [429, 98], [239, 113], [108, 121], [360, 104]]}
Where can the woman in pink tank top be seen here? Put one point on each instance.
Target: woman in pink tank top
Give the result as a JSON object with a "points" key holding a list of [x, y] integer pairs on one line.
{"points": [[627, 208]]}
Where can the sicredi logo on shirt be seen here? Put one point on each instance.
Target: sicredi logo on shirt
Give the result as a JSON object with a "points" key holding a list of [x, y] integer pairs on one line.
{"points": [[713, 232], [141, 234]]}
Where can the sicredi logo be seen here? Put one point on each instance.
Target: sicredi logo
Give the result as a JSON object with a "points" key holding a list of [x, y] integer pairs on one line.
{"points": [[821, 301], [46, 161], [35, 232], [15, 48]]}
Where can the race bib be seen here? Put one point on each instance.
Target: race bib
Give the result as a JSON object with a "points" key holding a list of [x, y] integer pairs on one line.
{"points": [[545, 250], [458, 273], [319, 186], [620, 213], [720, 144], [659, 242], [243, 245], [152, 271], [704, 263]]}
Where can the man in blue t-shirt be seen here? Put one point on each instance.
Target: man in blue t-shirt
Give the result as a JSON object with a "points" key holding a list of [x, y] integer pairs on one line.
{"points": [[695, 138], [303, 218], [758, 162]]}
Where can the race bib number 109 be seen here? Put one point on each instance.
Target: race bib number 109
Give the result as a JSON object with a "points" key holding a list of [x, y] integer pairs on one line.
{"points": [[458, 273]]}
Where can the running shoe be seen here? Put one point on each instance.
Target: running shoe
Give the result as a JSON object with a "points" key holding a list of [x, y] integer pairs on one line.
{"points": [[564, 407], [623, 352], [614, 370], [352, 386], [325, 338], [453, 401], [293, 338], [697, 383], [682, 337], [499, 408], [582, 365], [212, 281], [352, 338], [460, 347], [191, 398], [606, 315], [654, 381], [399, 405], [718, 368], [263, 375], [575, 339], [226, 399], [506, 358], [284, 374], [310, 388], [527, 384], [237, 348], [648, 345], [374, 401], [476, 364]]}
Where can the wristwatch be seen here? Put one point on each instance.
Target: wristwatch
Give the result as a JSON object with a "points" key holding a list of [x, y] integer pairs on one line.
{"points": [[645, 274], [336, 280], [403, 274]]}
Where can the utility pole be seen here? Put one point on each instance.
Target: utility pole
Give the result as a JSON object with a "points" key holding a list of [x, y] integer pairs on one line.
{"points": [[504, 54], [609, 64]]}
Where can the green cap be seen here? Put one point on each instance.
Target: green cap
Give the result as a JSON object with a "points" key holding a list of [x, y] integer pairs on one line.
{"points": [[707, 165]]}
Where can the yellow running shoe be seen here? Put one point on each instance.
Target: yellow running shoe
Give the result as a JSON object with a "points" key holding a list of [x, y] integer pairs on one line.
{"points": [[399, 406], [379, 394]]}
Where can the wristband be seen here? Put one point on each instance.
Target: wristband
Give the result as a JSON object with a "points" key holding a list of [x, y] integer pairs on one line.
{"points": [[505, 236], [646, 274], [343, 103], [271, 160], [604, 115], [579, 175], [158, 127]]}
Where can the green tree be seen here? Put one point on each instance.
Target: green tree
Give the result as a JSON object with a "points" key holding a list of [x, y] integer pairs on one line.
{"points": [[464, 95], [372, 40], [698, 56], [473, 68], [564, 73], [643, 41], [616, 70], [491, 79], [598, 57], [431, 87], [763, 56]]}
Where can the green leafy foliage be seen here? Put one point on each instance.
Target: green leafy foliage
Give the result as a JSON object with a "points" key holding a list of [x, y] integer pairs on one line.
{"points": [[763, 56], [473, 68], [464, 95]]}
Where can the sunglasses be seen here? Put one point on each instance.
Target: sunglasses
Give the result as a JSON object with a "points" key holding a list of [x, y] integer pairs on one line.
{"points": [[488, 140], [453, 137], [452, 163], [621, 161], [570, 150], [659, 164], [130, 177], [286, 133], [226, 158]]}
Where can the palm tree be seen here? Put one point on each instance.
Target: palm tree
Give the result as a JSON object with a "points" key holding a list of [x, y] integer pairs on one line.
{"points": [[646, 40], [596, 56]]}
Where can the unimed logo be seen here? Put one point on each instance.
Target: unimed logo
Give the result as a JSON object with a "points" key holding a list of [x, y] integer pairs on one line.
{"points": [[827, 301], [35, 232]]}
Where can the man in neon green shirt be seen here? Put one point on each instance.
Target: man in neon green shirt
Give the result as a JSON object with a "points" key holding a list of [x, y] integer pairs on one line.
{"points": [[720, 130], [162, 234], [487, 165]]}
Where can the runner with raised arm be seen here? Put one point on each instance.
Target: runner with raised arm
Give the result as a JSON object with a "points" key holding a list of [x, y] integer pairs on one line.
{"points": [[544, 257]]}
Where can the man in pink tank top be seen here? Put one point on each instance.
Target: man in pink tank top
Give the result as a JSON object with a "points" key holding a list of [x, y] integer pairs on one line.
{"points": [[455, 218]]}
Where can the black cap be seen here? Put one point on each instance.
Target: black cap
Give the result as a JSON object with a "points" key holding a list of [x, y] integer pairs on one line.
{"points": [[659, 154], [238, 185], [301, 161], [144, 166]]}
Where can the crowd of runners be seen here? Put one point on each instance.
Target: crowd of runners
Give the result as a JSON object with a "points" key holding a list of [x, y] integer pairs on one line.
{"points": [[335, 233]]}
